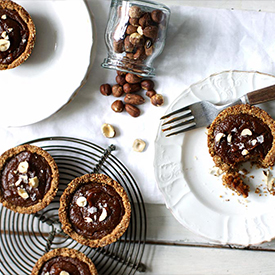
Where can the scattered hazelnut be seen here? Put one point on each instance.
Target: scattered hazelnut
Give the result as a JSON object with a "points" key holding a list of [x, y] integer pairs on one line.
{"points": [[157, 16], [134, 99], [147, 84], [131, 88], [132, 110], [23, 167], [151, 93], [117, 106], [120, 79], [108, 130], [105, 89], [117, 90], [132, 78], [157, 100], [135, 12], [139, 145]]}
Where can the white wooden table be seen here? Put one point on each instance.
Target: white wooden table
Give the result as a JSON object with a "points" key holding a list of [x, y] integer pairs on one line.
{"points": [[172, 249]]}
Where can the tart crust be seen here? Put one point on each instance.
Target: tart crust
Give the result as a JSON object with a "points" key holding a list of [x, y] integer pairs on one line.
{"points": [[10, 5], [66, 197], [268, 160], [65, 252], [54, 183]]}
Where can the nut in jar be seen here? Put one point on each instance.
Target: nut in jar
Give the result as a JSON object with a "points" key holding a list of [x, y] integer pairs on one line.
{"points": [[135, 35]]}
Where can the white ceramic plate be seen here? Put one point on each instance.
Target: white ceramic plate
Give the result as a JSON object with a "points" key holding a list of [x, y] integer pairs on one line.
{"points": [[57, 67], [197, 199]]}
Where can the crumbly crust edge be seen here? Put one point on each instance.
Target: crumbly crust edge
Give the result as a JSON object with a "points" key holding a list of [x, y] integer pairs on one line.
{"points": [[118, 231], [54, 183], [7, 4], [269, 159], [65, 252]]}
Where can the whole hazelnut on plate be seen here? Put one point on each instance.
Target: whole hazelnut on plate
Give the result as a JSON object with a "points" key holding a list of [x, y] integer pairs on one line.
{"points": [[132, 110], [117, 106], [131, 88], [151, 93], [117, 90], [147, 84], [120, 80], [132, 78], [106, 89], [157, 100]]}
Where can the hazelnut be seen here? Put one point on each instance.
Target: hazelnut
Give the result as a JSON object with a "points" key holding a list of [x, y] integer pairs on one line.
{"points": [[131, 29], [157, 16], [147, 84], [139, 30], [120, 79], [108, 130], [128, 46], [145, 20], [105, 89], [135, 12], [121, 73], [139, 145], [117, 106], [117, 90], [130, 56], [118, 46], [134, 99], [23, 167], [157, 100], [131, 88], [149, 51], [150, 93], [132, 110], [132, 78], [140, 54], [151, 32], [134, 22], [136, 39]]}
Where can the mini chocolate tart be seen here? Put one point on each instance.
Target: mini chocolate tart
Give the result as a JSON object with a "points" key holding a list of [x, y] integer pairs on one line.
{"points": [[29, 179], [17, 35], [242, 133], [64, 261], [94, 210]]}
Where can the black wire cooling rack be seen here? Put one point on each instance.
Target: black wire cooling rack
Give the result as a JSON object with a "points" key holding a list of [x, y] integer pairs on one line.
{"points": [[25, 238]]}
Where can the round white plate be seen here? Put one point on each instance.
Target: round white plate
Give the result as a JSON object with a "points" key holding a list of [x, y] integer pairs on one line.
{"points": [[57, 67], [197, 198]]}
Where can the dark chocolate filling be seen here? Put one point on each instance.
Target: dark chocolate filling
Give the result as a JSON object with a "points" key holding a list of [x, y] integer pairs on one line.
{"points": [[71, 265], [38, 167], [18, 33], [234, 147], [86, 220]]}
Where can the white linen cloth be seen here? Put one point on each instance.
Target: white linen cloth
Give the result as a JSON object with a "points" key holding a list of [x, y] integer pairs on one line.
{"points": [[200, 42]]}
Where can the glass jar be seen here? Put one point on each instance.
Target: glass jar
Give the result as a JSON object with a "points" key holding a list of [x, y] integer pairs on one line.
{"points": [[135, 35]]}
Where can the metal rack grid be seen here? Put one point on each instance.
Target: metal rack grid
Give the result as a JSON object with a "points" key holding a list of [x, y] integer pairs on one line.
{"points": [[25, 238]]}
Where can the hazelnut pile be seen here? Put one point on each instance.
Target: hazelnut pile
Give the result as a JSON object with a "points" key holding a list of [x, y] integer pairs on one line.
{"points": [[137, 36], [128, 85]]}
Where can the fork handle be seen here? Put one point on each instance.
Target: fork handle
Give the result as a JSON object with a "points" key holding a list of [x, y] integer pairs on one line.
{"points": [[261, 95]]}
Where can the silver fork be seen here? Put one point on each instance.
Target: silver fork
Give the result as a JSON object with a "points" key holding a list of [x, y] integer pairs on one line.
{"points": [[203, 113]]}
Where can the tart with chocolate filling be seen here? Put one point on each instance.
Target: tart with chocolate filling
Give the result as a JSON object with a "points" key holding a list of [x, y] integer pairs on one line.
{"points": [[64, 261], [28, 179], [17, 35], [94, 210], [238, 134]]}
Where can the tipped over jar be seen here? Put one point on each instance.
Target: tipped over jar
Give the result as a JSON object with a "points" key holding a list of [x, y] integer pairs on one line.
{"points": [[135, 35]]}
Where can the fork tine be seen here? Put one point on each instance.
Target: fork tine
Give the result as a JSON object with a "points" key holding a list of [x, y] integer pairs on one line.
{"points": [[182, 131], [180, 124], [176, 112], [189, 114]]}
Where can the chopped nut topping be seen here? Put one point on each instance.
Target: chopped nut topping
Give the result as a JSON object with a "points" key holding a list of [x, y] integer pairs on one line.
{"points": [[24, 178], [260, 138], [34, 182], [139, 145], [219, 136], [22, 193], [103, 215], [4, 45], [229, 138], [23, 167], [253, 142], [246, 132], [140, 30], [18, 182], [245, 152], [269, 180], [4, 16], [5, 35], [81, 201], [88, 220], [216, 171], [10, 29], [92, 210], [64, 273]]}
